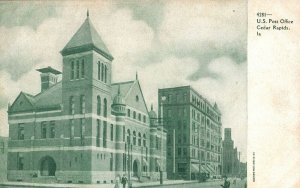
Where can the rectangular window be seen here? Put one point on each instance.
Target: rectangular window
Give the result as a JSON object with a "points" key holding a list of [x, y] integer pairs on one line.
{"points": [[52, 129], [111, 132], [111, 162], [140, 118], [2, 147], [184, 152], [179, 151], [82, 130], [72, 70], [44, 129], [104, 133], [77, 69], [72, 131], [144, 119], [82, 69], [21, 132], [20, 161]]}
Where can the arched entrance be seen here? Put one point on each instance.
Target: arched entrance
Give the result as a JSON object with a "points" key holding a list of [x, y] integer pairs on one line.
{"points": [[47, 166], [136, 166]]}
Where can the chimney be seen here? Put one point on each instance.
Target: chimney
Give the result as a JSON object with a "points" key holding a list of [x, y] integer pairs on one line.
{"points": [[49, 77]]}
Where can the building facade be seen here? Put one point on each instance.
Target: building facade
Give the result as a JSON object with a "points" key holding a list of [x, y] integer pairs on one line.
{"points": [[231, 162], [3, 159], [194, 141], [84, 128]]}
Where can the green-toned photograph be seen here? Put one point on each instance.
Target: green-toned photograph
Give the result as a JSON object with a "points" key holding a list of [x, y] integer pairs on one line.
{"points": [[123, 94]]}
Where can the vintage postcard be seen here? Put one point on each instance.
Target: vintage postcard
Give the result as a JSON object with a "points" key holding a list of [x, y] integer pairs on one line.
{"points": [[134, 93]]}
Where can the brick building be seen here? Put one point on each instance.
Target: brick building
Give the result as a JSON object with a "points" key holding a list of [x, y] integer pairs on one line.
{"points": [[3, 159], [84, 128], [194, 133], [231, 162]]}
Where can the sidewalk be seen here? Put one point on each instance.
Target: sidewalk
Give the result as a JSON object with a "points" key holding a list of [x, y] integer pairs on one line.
{"points": [[49, 185]]}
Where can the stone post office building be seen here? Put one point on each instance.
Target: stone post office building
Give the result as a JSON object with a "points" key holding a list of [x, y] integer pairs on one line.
{"points": [[84, 128]]}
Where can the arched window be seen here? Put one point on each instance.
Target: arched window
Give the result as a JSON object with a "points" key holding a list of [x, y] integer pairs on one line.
{"points": [[105, 108], [72, 105], [128, 136], [139, 139], [105, 74], [72, 70], [77, 69], [99, 69], [98, 105], [102, 71], [134, 138], [144, 140], [82, 104], [134, 114]]}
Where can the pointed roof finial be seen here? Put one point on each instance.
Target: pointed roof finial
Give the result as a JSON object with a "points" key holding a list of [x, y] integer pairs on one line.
{"points": [[136, 75], [87, 13], [151, 107], [119, 90]]}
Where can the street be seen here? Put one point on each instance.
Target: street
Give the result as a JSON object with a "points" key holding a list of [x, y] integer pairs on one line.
{"points": [[210, 184]]}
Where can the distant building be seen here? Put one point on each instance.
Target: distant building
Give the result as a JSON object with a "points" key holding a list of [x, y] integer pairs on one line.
{"points": [[231, 162], [3, 159], [194, 133], [83, 129]]}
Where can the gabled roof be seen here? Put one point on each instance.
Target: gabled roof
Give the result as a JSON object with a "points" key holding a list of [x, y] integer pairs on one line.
{"points": [[86, 38], [124, 88], [48, 100]]}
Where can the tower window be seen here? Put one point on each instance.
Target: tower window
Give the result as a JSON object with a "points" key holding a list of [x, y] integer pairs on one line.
{"points": [[77, 69], [82, 69], [99, 69], [98, 105], [111, 132], [105, 74], [102, 71], [72, 70], [139, 116], [105, 108]]}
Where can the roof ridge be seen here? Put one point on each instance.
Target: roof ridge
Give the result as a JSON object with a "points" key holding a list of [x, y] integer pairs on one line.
{"points": [[126, 82]]}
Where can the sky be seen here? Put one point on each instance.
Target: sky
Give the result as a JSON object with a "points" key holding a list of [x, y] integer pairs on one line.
{"points": [[169, 43]]}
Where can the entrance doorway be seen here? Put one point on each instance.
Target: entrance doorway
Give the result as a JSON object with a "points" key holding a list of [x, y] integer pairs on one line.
{"points": [[136, 168], [48, 166]]}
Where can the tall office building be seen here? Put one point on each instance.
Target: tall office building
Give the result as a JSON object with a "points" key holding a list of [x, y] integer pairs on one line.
{"points": [[194, 129]]}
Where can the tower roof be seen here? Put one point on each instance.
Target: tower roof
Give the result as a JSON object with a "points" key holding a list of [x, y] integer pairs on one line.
{"points": [[86, 38]]}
